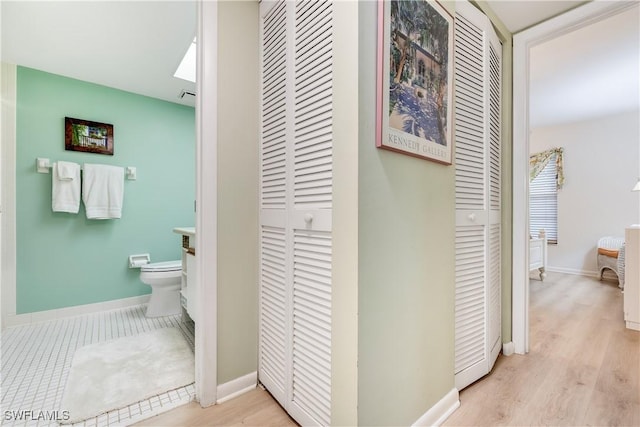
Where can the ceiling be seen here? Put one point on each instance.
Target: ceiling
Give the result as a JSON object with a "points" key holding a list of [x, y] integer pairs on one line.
{"points": [[591, 72], [137, 45], [134, 46], [588, 73], [518, 15]]}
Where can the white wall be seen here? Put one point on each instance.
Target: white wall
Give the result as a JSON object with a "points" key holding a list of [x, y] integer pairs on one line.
{"points": [[601, 163]]}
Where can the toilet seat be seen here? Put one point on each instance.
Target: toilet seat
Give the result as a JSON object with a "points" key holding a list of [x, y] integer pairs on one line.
{"points": [[162, 266]]}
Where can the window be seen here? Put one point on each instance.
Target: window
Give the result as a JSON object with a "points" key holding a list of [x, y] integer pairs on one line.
{"points": [[543, 202], [421, 68], [187, 68]]}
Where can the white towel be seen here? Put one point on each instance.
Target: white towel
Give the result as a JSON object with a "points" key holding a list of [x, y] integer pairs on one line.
{"points": [[67, 170], [65, 187], [103, 191]]}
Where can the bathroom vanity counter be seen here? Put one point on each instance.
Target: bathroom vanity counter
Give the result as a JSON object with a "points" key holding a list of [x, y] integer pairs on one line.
{"points": [[188, 238], [188, 292], [185, 231]]}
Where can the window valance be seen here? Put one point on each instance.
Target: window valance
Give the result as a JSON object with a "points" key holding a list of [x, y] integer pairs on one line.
{"points": [[538, 161]]}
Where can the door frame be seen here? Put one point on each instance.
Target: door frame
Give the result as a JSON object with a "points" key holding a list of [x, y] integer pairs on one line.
{"points": [[206, 329], [572, 20], [8, 111], [206, 195]]}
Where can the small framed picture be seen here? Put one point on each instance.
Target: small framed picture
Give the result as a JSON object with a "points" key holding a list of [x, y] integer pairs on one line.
{"points": [[87, 136], [415, 79]]}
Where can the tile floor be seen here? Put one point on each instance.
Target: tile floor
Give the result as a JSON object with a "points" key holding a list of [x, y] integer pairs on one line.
{"points": [[35, 360]]}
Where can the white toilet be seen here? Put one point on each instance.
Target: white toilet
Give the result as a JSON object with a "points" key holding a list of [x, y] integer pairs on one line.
{"points": [[165, 281]]}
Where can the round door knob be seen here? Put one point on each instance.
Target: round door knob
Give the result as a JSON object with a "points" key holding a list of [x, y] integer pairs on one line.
{"points": [[308, 218], [472, 217]]}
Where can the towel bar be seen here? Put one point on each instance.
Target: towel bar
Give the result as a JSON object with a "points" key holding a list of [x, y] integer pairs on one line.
{"points": [[43, 165]]}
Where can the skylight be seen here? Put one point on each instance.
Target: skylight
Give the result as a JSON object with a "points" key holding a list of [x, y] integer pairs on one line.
{"points": [[187, 68]]}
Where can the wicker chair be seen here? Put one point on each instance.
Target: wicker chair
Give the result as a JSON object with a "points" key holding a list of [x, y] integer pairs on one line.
{"points": [[611, 256]]}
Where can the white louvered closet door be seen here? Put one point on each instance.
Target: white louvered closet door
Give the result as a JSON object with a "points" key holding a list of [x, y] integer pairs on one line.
{"points": [[478, 186], [295, 206]]}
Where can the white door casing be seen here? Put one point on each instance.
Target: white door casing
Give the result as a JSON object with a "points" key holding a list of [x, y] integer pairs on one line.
{"points": [[8, 83], [478, 62], [206, 329], [522, 43]]}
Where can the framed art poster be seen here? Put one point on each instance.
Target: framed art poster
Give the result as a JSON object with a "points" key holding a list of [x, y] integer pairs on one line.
{"points": [[415, 79], [87, 136]]}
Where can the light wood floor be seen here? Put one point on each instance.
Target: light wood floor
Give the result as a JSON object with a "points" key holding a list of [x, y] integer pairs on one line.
{"points": [[255, 408], [583, 369]]}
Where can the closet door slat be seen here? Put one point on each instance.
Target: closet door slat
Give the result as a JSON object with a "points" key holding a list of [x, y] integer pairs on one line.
{"points": [[478, 195], [313, 158], [296, 160], [273, 342], [312, 324]]}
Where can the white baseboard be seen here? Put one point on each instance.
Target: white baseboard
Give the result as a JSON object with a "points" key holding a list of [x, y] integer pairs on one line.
{"points": [[508, 348], [633, 325], [439, 412], [78, 310], [574, 271], [235, 388]]}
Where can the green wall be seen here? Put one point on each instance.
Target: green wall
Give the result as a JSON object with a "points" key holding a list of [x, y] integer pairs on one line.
{"points": [[406, 290], [65, 259], [238, 244], [406, 270]]}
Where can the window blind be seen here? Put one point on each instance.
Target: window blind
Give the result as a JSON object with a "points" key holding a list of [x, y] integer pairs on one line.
{"points": [[543, 203]]}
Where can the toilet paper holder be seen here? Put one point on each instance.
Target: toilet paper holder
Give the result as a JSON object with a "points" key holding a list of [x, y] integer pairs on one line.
{"points": [[137, 261]]}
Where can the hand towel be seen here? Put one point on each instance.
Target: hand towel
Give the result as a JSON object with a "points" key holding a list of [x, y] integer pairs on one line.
{"points": [[65, 187], [103, 191], [67, 170]]}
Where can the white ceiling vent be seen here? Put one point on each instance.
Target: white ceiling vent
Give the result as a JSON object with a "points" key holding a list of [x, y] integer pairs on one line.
{"points": [[186, 93]]}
